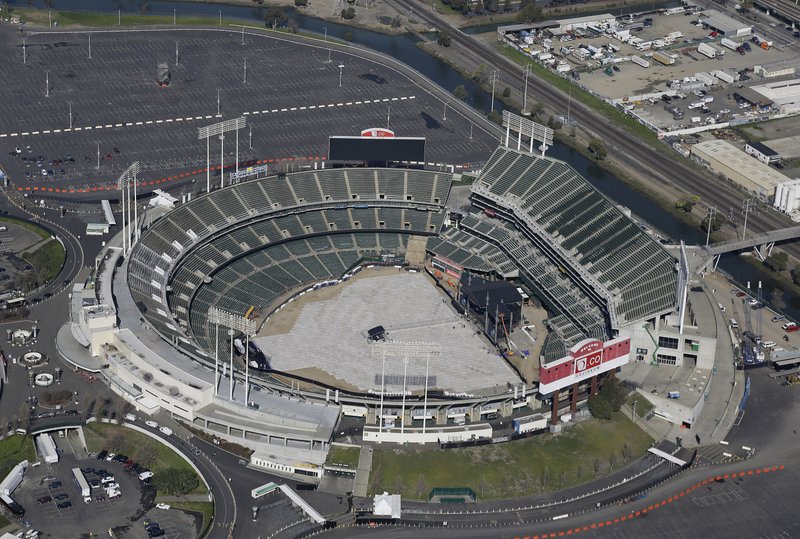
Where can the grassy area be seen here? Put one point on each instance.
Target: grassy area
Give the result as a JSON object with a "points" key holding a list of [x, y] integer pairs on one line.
{"points": [[46, 259], [139, 447], [14, 450], [616, 115], [343, 456], [444, 9], [66, 18], [4, 522], [525, 467], [643, 406], [204, 508], [27, 225]]}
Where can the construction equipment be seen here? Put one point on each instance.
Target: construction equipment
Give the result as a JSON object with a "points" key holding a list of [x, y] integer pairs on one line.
{"points": [[509, 351]]}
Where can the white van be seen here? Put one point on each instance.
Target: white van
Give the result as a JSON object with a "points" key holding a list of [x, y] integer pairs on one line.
{"points": [[721, 307], [734, 323], [768, 344]]}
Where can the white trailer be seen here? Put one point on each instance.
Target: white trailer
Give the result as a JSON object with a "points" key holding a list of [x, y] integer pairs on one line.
{"points": [[638, 60], [13, 479], [529, 423], [707, 50], [47, 448], [724, 77], [706, 78], [80, 482], [729, 44]]}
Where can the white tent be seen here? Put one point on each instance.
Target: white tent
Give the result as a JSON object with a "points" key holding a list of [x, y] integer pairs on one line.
{"points": [[387, 505]]}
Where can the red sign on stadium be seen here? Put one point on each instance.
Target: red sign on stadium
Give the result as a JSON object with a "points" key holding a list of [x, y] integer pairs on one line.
{"points": [[586, 359], [377, 132]]}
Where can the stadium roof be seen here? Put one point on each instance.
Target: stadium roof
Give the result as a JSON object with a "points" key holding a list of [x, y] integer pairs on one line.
{"points": [[578, 228]]}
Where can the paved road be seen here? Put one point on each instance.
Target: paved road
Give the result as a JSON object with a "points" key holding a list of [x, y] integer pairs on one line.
{"points": [[650, 165]]}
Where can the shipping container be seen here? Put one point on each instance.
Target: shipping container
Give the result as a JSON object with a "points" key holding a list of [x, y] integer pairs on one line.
{"points": [[706, 78], [529, 423], [729, 43], [663, 58], [724, 77], [638, 60], [707, 50]]}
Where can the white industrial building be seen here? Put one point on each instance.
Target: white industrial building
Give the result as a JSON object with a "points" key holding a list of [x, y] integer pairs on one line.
{"points": [[567, 25], [725, 24], [787, 196], [762, 152], [725, 158], [784, 94]]}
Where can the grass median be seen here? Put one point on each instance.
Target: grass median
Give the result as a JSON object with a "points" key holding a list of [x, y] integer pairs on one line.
{"points": [[46, 258], [14, 450], [141, 448], [528, 467]]}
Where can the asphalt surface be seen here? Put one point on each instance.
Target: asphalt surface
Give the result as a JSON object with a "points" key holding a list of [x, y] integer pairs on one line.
{"points": [[650, 165], [116, 106]]}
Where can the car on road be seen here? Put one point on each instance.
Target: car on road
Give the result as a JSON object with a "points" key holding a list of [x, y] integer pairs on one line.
{"points": [[195, 451], [65, 505], [151, 424], [779, 318], [166, 431], [130, 417]]}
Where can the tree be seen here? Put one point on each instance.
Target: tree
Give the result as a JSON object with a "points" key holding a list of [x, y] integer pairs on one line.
{"points": [[717, 221], [529, 13], [444, 38], [481, 74], [176, 481], [776, 298], [536, 108], [573, 132], [147, 453], [598, 149], [460, 92], [495, 117], [553, 123], [349, 13], [613, 391], [600, 407], [396, 22], [275, 17], [301, 3], [777, 261], [117, 442], [685, 204], [421, 486], [506, 92]]}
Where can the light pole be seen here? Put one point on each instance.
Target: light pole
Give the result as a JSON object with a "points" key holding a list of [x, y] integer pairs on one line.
{"points": [[119, 17], [388, 115], [494, 82], [217, 101], [251, 136], [47, 84], [444, 116], [98, 155], [50, 18], [24, 53], [174, 17], [90, 46], [244, 76], [242, 34], [220, 17], [231, 334], [527, 74], [70, 114], [328, 61], [177, 58], [341, 66]]}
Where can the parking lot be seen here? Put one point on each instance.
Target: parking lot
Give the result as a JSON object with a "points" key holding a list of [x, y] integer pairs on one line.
{"points": [[55, 507], [71, 109]]}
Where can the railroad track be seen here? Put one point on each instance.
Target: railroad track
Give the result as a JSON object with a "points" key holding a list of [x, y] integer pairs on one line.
{"points": [[622, 145]]}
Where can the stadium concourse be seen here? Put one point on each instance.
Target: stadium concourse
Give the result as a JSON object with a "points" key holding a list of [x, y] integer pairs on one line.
{"points": [[236, 256]]}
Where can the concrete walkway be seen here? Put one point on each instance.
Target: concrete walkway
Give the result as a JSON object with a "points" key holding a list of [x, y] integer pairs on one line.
{"points": [[362, 472]]}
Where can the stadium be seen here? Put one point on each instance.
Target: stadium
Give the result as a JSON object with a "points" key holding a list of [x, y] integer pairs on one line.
{"points": [[377, 290]]}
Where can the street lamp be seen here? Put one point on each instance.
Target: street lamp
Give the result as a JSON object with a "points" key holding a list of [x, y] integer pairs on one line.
{"points": [[341, 66]]}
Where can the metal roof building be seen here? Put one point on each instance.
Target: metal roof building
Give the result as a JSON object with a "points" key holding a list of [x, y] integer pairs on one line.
{"points": [[725, 24], [737, 166], [593, 265]]}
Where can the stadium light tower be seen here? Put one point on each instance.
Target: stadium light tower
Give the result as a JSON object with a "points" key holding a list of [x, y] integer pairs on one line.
{"points": [[407, 351], [124, 185], [219, 129], [235, 323]]}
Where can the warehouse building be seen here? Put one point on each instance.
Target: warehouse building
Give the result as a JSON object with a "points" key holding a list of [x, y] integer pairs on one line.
{"points": [[725, 24], [787, 197], [737, 166], [784, 95]]}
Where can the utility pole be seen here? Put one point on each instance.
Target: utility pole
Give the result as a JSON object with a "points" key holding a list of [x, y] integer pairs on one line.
{"points": [[526, 73], [494, 82], [709, 220], [749, 205]]}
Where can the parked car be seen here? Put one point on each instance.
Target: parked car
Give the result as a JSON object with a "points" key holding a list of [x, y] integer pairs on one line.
{"points": [[44, 499], [151, 424], [65, 505], [54, 485]]}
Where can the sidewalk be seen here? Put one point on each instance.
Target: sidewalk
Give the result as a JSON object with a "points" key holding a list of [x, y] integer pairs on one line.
{"points": [[361, 483]]}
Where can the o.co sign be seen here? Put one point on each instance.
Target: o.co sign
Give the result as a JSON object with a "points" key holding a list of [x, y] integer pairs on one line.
{"points": [[588, 362], [377, 132]]}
